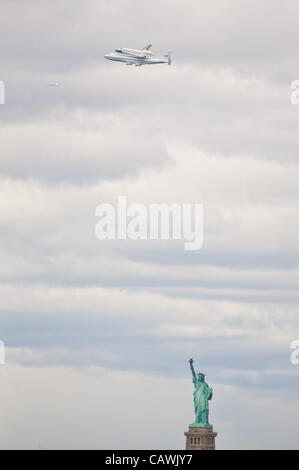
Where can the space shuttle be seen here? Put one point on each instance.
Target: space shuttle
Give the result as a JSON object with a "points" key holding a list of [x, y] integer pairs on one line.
{"points": [[144, 53]]}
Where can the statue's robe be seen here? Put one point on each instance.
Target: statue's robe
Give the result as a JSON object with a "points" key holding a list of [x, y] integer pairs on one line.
{"points": [[201, 394]]}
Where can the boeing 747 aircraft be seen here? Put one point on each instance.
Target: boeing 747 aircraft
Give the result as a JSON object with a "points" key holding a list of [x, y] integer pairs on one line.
{"points": [[138, 57]]}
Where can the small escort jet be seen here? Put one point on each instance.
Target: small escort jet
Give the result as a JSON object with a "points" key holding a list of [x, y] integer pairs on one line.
{"points": [[138, 57]]}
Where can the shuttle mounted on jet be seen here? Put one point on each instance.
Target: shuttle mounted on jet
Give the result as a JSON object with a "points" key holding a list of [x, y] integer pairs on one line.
{"points": [[138, 57]]}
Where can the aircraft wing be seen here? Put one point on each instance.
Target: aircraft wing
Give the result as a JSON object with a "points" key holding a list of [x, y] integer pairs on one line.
{"points": [[130, 62], [134, 63]]}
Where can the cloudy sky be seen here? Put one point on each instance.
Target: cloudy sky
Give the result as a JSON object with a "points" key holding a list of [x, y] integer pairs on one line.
{"points": [[98, 333]]}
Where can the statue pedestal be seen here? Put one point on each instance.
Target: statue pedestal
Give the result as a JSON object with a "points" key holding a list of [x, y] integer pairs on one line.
{"points": [[198, 438]]}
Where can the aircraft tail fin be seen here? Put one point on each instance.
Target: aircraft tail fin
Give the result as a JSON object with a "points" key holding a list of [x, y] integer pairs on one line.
{"points": [[168, 55]]}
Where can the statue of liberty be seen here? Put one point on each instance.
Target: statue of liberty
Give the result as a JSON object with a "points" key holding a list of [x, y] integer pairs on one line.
{"points": [[201, 395]]}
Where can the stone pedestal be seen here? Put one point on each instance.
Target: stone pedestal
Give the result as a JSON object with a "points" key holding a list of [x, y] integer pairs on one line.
{"points": [[198, 438]]}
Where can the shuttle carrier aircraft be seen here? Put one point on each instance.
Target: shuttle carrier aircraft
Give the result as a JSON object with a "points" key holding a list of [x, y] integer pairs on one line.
{"points": [[138, 57]]}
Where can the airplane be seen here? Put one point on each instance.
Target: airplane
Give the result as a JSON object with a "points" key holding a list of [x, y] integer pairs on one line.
{"points": [[54, 84], [138, 57]]}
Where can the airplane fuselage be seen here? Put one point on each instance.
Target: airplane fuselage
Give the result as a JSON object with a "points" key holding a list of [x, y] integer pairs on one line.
{"points": [[134, 59]]}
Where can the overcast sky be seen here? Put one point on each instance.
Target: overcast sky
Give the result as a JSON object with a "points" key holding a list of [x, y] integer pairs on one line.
{"points": [[97, 333]]}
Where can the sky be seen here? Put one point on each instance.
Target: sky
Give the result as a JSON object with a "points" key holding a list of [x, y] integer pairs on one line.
{"points": [[98, 333]]}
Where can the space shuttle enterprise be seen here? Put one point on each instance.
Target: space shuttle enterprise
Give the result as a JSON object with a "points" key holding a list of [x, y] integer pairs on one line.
{"points": [[138, 57]]}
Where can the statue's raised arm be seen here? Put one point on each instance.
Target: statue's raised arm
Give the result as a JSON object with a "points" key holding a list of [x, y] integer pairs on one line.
{"points": [[191, 367]]}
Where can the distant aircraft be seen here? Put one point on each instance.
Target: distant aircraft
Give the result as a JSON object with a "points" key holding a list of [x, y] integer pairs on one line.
{"points": [[54, 84], [138, 57]]}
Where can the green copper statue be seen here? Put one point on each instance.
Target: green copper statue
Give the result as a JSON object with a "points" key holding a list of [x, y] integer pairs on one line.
{"points": [[201, 394]]}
